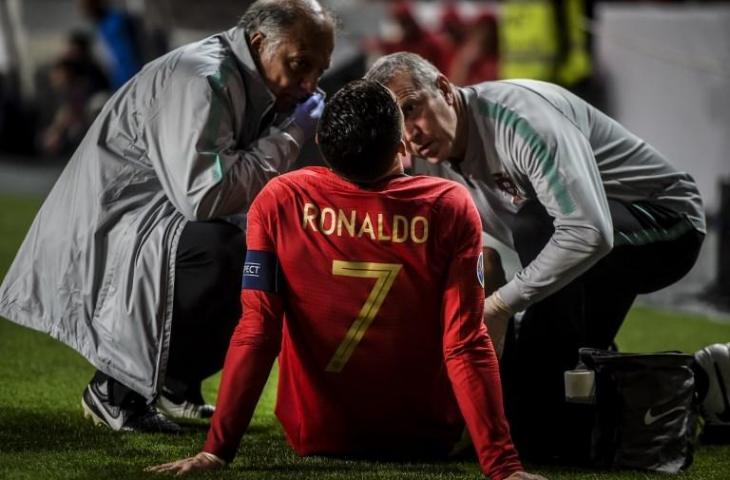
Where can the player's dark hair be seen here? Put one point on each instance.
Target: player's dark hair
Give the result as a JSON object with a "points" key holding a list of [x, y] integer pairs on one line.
{"points": [[360, 130]]}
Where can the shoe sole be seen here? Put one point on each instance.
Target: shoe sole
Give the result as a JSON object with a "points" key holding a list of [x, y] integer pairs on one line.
{"points": [[96, 419], [184, 416], [88, 413]]}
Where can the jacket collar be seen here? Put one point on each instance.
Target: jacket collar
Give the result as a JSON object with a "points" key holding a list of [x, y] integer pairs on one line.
{"points": [[260, 93]]}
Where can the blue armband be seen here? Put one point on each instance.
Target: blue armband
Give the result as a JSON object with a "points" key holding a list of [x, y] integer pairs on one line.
{"points": [[261, 272]]}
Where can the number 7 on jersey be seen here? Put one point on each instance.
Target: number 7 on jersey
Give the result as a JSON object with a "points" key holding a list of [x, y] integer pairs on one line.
{"points": [[385, 274]]}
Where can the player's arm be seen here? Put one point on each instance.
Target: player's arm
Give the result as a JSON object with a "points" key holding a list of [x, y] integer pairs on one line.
{"points": [[253, 348], [558, 161], [468, 353]]}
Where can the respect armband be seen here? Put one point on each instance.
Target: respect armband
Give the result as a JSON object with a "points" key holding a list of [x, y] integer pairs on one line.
{"points": [[261, 272]]}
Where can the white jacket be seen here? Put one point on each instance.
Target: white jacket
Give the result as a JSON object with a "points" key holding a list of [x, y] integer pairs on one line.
{"points": [[179, 142], [535, 141]]}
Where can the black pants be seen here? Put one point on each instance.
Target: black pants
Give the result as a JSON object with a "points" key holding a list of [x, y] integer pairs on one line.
{"points": [[206, 308], [653, 248]]}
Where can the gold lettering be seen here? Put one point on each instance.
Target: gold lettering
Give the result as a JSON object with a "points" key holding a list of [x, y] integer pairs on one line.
{"points": [[328, 221], [424, 232], [367, 227], [400, 235], [333, 221], [349, 225], [381, 235], [307, 218]]}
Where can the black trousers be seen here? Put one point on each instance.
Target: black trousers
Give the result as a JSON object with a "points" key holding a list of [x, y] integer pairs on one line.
{"points": [[653, 248], [206, 308]]}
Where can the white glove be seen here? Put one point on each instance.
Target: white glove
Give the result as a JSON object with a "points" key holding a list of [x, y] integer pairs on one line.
{"points": [[496, 318]]}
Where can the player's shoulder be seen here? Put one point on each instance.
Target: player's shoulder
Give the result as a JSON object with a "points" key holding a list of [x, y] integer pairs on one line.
{"points": [[449, 204], [294, 177], [440, 191], [430, 184], [298, 178], [292, 182]]}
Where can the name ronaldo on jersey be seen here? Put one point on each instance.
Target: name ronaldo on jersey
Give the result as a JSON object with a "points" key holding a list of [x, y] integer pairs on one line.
{"points": [[353, 223]]}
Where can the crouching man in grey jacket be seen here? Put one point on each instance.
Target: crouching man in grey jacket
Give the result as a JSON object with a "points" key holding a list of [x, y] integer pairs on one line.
{"points": [[131, 261], [595, 214]]}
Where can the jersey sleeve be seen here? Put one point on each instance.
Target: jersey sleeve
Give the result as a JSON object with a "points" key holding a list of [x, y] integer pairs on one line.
{"points": [[470, 358], [253, 348], [557, 160]]}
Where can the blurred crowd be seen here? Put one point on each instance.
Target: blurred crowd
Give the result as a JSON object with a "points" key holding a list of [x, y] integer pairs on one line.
{"points": [[77, 84], [465, 49], [73, 87], [469, 41], [539, 39]]}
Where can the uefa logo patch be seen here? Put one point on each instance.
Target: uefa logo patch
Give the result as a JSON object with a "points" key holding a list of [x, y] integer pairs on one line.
{"points": [[251, 269], [261, 271], [480, 269]]}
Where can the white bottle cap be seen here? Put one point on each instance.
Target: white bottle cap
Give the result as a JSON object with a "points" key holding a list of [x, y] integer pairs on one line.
{"points": [[580, 386]]}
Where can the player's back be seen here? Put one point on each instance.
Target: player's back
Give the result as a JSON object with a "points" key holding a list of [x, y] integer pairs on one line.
{"points": [[361, 365]]}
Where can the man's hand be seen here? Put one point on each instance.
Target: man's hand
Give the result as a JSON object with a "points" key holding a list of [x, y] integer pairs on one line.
{"points": [[525, 476], [496, 318], [201, 461], [307, 114]]}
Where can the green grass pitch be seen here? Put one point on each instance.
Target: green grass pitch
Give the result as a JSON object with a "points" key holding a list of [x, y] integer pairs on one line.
{"points": [[44, 436]]}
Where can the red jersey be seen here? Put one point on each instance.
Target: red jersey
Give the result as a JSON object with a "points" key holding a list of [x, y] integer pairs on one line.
{"points": [[377, 324]]}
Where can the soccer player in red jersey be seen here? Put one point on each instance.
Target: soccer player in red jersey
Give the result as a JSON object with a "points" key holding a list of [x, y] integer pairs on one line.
{"points": [[367, 284]]}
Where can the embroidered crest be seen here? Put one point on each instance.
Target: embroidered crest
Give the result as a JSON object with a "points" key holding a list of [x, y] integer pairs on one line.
{"points": [[480, 269], [505, 184]]}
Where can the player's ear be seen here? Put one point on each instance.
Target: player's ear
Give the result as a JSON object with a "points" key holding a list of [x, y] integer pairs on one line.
{"points": [[404, 155], [444, 87]]}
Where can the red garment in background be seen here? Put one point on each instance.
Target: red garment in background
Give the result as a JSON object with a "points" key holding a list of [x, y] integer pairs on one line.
{"points": [[415, 39], [477, 59]]}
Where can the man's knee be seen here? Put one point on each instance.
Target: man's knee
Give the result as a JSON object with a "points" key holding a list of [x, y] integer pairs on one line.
{"points": [[216, 243]]}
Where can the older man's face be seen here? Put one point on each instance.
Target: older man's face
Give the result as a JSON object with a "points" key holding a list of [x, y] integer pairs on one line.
{"points": [[292, 65], [430, 120]]}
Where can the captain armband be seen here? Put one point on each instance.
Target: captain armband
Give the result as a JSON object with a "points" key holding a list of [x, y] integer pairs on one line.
{"points": [[261, 271]]}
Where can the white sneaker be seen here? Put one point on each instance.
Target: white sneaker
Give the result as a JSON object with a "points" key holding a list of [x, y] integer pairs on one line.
{"points": [[183, 409], [715, 361]]}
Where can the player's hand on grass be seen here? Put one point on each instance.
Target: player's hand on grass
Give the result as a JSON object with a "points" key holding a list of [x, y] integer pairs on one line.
{"points": [[496, 317], [201, 461], [525, 476]]}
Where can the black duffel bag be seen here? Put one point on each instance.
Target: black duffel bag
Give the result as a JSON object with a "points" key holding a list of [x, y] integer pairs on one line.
{"points": [[645, 412]]}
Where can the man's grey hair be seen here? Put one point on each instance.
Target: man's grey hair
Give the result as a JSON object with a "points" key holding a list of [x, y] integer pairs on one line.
{"points": [[422, 72], [275, 18]]}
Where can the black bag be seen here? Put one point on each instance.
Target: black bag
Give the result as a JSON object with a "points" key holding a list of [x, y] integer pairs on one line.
{"points": [[646, 411]]}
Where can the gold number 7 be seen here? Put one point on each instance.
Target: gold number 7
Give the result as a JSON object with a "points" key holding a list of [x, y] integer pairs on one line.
{"points": [[385, 273]]}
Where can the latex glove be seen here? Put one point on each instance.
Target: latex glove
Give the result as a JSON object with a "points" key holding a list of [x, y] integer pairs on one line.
{"points": [[307, 114], [525, 476], [201, 461], [496, 318]]}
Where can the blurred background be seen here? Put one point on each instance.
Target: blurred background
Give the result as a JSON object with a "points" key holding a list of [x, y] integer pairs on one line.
{"points": [[660, 68]]}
